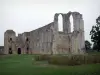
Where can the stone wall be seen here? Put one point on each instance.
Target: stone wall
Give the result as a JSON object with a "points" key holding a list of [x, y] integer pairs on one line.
{"points": [[63, 43], [41, 39], [47, 39]]}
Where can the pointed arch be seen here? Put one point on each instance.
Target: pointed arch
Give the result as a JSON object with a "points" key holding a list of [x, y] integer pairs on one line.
{"points": [[60, 23], [71, 23], [58, 19]]}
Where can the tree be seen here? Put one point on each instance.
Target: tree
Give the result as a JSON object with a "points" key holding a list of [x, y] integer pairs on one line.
{"points": [[95, 35], [87, 45]]}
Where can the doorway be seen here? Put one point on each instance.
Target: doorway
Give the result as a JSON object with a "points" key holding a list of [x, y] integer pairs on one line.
{"points": [[27, 52], [10, 50], [19, 51]]}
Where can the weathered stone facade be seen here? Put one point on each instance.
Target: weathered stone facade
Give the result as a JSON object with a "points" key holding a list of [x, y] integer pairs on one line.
{"points": [[47, 39]]}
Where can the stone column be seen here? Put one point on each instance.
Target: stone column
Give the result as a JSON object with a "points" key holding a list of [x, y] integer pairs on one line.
{"points": [[82, 37], [79, 29], [66, 23], [76, 21], [55, 34]]}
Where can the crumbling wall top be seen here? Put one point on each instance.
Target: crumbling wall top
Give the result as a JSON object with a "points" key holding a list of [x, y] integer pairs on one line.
{"points": [[10, 31]]}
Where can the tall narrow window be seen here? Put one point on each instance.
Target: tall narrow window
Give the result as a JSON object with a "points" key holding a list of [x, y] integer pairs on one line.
{"points": [[71, 23], [60, 23]]}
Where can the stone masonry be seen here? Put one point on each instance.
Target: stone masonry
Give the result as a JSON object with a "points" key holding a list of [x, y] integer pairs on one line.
{"points": [[47, 39]]}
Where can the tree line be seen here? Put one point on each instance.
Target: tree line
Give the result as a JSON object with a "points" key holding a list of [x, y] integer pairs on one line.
{"points": [[95, 37]]}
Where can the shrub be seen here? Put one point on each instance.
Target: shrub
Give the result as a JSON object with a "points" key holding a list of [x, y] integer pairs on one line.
{"points": [[42, 57], [69, 59], [62, 60], [74, 59], [59, 60], [96, 58]]}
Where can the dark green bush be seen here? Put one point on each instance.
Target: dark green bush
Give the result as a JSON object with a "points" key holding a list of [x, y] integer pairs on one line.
{"points": [[42, 57], [62, 60], [74, 59], [96, 58], [69, 60], [59, 60]]}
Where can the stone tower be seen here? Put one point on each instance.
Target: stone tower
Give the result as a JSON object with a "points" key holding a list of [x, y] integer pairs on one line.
{"points": [[9, 42]]}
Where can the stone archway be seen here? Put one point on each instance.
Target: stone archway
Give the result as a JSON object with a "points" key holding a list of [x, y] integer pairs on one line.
{"points": [[60, 23], [66, 21], [10, 50], [19, 51], [56, 21]]}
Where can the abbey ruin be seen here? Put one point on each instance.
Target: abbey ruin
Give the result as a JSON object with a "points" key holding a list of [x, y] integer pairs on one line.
{"points": [[47, 39]]}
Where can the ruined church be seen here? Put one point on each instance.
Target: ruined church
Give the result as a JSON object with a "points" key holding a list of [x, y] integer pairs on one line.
{"points": [[48, 39]]}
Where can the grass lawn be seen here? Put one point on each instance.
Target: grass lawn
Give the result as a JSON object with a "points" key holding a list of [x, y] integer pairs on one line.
{"points": [[26, 65]]}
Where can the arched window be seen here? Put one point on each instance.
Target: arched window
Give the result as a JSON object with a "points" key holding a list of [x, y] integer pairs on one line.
{"points": [[27, 39], [71, 23], [60, 23]]}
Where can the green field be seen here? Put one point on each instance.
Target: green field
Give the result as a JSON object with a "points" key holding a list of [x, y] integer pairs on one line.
{"points": [[26, 65]]}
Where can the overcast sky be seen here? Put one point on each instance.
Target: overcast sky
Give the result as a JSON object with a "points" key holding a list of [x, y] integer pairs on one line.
{"points": [[27, 15]]}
